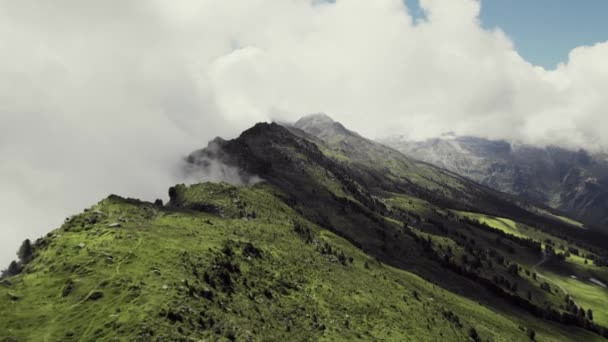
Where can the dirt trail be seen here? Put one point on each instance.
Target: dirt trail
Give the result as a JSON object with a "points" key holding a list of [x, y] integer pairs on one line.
{"points": [[544, 259]]}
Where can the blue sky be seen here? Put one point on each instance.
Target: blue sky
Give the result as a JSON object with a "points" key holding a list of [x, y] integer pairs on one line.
{"points": [[544, 31]]}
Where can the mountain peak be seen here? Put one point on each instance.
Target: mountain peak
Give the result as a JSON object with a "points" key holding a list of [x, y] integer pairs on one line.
{"points": [[316, 119], [322, 126]]}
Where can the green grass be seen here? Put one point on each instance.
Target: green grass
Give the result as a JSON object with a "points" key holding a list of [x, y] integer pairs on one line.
{"points": [[561, 218], [570, 221], [559, 274], [409, 203], [506, 225], [585, 294], [163, 274]]}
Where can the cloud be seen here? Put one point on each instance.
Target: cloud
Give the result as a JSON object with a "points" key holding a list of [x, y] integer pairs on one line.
{"points": [[108, 97], [206, 165]]}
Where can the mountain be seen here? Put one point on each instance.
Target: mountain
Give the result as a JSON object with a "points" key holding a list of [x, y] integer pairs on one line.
{"points": [[574, 182], [329, 236]]}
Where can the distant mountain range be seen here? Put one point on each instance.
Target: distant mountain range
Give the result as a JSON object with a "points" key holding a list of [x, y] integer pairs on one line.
{"points": [[575, 182]]}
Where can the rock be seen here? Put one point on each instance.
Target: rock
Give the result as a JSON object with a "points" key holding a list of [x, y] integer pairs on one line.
{"points": [[95, 295], [207, 208], [114, 225], [81, 245], [165, 287], [13, 296]]}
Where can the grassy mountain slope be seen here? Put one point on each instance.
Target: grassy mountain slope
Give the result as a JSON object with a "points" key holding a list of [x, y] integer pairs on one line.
{"points": [[176, 273], [345, 239], [364, 191]]}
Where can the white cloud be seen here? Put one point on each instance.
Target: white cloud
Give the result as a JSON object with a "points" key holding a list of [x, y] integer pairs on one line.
{"points": [[105, 98]]}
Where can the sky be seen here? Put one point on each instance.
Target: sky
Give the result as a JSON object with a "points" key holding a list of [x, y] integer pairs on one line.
{"points": [[543, 31], [109, 96]]}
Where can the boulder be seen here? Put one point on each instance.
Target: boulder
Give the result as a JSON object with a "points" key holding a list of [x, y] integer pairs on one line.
{"points": [[13, 296]]}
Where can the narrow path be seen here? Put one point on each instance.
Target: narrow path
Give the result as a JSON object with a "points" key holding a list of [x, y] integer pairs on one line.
{"points": [[544, 259]]}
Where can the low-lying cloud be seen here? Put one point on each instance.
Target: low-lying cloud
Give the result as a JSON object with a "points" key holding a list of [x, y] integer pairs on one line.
{"points": [[207, 165], [106, 97]]}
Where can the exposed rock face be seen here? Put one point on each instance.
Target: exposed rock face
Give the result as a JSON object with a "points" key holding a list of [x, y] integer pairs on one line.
{"points": [[575, 182]]}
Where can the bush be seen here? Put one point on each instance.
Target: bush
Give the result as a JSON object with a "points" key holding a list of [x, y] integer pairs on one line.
{"points": [[13, 269], [474, 335], [251, 251], [303, 231], [545, 286]]}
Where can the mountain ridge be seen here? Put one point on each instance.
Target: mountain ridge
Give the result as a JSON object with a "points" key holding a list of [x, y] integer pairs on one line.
{"points": [[327, 237]]}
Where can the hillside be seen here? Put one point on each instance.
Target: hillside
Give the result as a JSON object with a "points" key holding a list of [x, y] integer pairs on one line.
{"points": [[330, 236], [575, 182]]}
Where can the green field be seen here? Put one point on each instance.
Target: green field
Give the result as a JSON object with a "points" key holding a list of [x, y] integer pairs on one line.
{"points": [[506, 225]]}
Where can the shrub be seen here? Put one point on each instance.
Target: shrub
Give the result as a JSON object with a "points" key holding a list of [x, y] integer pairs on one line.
{"points": [[13, 269], [474, 335], [251, 251], [545, 286]]}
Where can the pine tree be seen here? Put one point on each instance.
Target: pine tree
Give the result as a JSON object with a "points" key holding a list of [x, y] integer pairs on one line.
{"points": [[25, 252]]}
